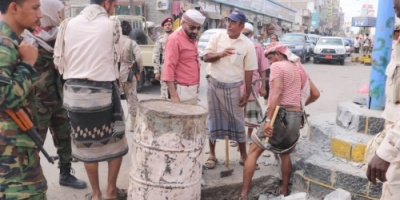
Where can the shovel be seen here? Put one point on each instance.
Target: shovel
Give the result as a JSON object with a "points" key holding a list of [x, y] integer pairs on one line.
{"points": [[267, 145], [228, 171]]}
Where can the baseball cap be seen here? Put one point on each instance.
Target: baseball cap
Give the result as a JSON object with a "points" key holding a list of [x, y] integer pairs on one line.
{"points": [[237, 15]]}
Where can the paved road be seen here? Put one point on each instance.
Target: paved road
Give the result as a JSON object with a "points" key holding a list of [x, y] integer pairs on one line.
{"points": [[337, 83]]}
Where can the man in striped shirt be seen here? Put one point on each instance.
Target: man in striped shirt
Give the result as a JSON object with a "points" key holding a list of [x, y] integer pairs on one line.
{"points": [[285, 83]]}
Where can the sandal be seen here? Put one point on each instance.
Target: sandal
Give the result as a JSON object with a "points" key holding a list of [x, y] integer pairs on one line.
{"points": [[211, 163], [88, 196], [121, 195], [278, 191], [233, 143], [242, 163]]}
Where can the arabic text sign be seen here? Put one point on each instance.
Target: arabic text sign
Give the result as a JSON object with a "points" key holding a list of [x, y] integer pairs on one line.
{"points": [[363, 21]]}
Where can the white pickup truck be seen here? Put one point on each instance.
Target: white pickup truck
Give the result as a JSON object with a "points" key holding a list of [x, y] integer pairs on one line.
{"points": [[139, 34]]}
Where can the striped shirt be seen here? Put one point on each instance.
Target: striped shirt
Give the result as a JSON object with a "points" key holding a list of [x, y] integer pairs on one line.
{"points": [[292, 83]]}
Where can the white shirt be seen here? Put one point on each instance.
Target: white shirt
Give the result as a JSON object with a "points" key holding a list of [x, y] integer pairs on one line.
{"points": [[89, 49], [230, 69], [357, 43]]}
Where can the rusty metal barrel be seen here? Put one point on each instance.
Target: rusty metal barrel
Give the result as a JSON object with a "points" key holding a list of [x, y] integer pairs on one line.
{"points": [[167, 151]]}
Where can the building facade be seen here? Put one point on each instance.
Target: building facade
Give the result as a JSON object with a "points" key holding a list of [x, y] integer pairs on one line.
{"points": [[267, 16]]}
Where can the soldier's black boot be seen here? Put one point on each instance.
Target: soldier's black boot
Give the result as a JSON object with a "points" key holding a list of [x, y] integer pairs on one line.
{"points": [[67, 179]]}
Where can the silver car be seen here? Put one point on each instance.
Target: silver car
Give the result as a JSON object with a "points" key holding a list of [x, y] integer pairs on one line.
{"points": [[204, 38]]}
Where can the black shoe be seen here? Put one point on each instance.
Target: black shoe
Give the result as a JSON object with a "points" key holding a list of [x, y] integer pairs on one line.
{"points": [[67, 179], [71, 181]]}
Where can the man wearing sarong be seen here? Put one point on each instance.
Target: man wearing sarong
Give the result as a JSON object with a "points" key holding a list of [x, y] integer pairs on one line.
{"points": [[85, 54], [253, 112], [159, 55], [385, 165], [129, 53], [50, 113], [21, 175], [181, 66], [286, 80], [232, 58]]}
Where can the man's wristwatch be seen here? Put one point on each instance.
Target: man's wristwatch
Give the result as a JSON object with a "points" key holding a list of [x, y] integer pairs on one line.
{"points": [[267, 120]]}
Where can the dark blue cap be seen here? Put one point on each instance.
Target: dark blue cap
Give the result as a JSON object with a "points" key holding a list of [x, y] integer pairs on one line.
{"points": [[237, 16]]}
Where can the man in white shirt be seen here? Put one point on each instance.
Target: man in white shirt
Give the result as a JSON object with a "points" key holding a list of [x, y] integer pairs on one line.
{"points": [[357, 45], [85, 52], [232, 60]]}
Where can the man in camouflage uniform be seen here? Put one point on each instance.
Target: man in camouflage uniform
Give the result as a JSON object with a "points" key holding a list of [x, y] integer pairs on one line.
{"points": [[158, 55], [50, 113], [21, 176]]}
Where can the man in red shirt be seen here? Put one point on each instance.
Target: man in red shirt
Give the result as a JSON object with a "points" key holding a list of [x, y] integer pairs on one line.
{"points": [[181, 65]]}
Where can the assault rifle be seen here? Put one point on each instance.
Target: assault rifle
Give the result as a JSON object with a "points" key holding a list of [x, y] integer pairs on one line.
{"points": [[25, 124]]}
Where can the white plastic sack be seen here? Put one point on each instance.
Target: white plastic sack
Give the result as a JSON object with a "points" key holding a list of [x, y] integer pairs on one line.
{"points": [[338, 194]]}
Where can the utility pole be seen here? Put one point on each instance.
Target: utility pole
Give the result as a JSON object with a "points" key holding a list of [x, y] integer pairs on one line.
{"points": [[381, 54]]}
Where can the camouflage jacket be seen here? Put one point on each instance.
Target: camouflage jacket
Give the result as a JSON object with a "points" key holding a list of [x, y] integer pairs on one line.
{"points": [[49, 87], [159, 48], [16, 83]]}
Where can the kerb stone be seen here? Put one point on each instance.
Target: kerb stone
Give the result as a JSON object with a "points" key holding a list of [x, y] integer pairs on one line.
{"points": [[354, 117]]}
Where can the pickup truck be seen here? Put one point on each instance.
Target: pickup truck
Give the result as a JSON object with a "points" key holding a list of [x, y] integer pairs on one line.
{"points": [[139, 34]]}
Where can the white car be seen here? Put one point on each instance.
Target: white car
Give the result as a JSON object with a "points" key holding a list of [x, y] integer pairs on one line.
{"points": [[330, 49], [204, 38]]}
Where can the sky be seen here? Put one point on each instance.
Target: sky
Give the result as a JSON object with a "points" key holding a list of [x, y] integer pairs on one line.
{"points": [[352, 8]]}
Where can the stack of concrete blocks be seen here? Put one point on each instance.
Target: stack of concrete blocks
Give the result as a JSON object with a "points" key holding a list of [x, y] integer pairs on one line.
{"points": [[338, 161]]}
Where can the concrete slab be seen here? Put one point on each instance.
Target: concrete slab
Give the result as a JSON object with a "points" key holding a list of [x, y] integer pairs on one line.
{"points": [[343, 143], [358, 118], [322, 175]]}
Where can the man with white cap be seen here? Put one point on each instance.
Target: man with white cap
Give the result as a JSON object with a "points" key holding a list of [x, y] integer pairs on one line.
{"points": [[50, 113], [253, 111], [181, 64], [232, 60]]}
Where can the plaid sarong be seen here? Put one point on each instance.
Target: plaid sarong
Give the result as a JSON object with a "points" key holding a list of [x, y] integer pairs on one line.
{"points": [[225, 117], [96, 117], [253, 112]]}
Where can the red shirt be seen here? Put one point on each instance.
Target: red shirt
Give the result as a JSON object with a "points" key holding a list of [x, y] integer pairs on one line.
{"points": [[181, 63]]}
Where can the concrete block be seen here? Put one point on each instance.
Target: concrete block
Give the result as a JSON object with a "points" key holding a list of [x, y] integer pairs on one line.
{"points": [[353, 117], [319, 191], [299, 183], [375, 124], [358, 152], [351, 182], [340, 148], [357, 197], [375, 191], [318, 173], [319, 133], [338, 194]]}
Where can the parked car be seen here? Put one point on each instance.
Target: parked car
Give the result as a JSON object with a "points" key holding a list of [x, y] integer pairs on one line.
{"points": [[204, 38], [330, 49], [299, 44], [349, 49], [314, 39]]}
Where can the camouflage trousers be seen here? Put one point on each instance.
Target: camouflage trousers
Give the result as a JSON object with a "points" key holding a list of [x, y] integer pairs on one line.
{"points": [[164, 90], [21, 176], [54, 117], [131, 96]]}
